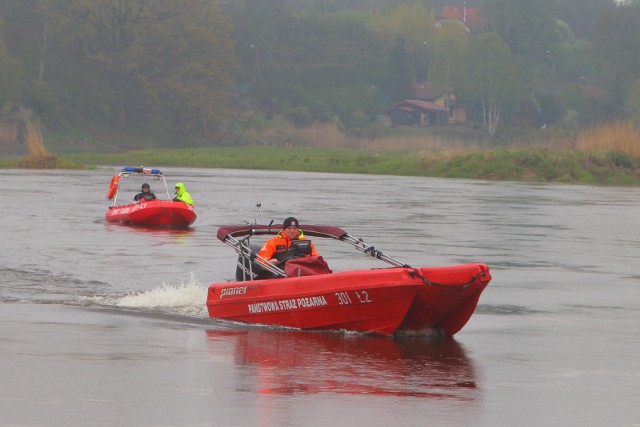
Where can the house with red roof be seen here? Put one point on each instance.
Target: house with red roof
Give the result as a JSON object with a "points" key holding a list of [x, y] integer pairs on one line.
{"points": [[430, 105], [468, 17], [412, 112]]}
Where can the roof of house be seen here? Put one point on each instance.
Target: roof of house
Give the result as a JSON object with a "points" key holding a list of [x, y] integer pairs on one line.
{"points": [[470, 16], [592, 91], [425, 90], [414, 104]]}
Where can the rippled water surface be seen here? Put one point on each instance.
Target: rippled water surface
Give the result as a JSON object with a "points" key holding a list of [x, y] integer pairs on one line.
{"points": [[105, 324]]}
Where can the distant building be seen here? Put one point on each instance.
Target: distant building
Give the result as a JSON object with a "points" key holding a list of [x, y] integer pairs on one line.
{"points": [[591, 91], [430, 105], [468, 17], [412, 112]]}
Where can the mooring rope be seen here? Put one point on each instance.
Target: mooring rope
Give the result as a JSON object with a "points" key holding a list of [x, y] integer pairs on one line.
{"points": [[428, 282]]}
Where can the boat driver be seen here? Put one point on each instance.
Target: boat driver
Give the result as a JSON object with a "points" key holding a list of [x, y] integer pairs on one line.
{"points": [[146, 194], [276, 249]]}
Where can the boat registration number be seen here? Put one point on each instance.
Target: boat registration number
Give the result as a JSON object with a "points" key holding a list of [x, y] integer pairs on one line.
{"points": [[361, 296]]}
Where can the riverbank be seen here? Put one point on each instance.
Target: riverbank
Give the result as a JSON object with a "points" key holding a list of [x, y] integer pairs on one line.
{"points": [[517, 164], [606, 155]]}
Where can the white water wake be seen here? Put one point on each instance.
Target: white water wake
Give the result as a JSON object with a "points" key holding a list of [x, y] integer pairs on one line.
{"points": [[186, 298]]}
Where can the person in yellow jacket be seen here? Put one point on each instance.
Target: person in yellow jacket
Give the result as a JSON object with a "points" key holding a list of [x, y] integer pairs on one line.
{"points": [[275, 249], [182, 195]]}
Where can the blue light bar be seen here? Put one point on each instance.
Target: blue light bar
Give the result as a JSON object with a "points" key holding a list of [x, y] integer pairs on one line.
{"points": [[143, 170]]}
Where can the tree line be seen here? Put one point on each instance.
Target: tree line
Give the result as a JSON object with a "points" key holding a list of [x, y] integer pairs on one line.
{"points": [[126, 64], [184, 69]]}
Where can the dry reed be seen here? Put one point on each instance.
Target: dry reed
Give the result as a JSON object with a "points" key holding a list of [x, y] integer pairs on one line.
{"points": [[39, 157], [620, 136], [329, 135], [318, 135]]}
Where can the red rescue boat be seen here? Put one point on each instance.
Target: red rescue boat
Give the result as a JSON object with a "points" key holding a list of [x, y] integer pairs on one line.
{"points": [[308, 295], [151, 213]]}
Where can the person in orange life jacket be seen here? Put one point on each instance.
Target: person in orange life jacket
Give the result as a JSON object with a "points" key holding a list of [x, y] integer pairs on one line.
{"points": [[146, 194], [275, 249]]}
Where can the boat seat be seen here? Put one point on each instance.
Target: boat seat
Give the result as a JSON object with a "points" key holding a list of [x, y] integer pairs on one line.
{"points": [[294, 267], [306, 266]]}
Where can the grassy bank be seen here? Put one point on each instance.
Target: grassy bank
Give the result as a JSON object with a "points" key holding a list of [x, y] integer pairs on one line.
{"points": [[606, 155], [534, 165]]}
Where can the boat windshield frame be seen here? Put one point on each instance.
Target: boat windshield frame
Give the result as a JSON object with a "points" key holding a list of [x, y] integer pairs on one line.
{"points": [[323, 231], [126, 172], [237, 236]]}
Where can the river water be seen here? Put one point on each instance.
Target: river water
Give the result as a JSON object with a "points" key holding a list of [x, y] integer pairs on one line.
{"points": [[104, 325]]}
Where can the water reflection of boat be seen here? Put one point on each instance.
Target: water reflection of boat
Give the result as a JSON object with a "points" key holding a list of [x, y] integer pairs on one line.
{"points": [[316, 362], [159, 231], [153, 212]]}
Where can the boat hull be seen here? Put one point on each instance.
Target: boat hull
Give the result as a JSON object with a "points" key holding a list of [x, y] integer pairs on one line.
{"points": [[153, 213], [447, 300], [381, 301], [338, 301]]}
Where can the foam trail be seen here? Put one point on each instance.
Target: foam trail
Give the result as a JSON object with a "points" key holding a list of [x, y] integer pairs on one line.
{"points": [[184, 298]]}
